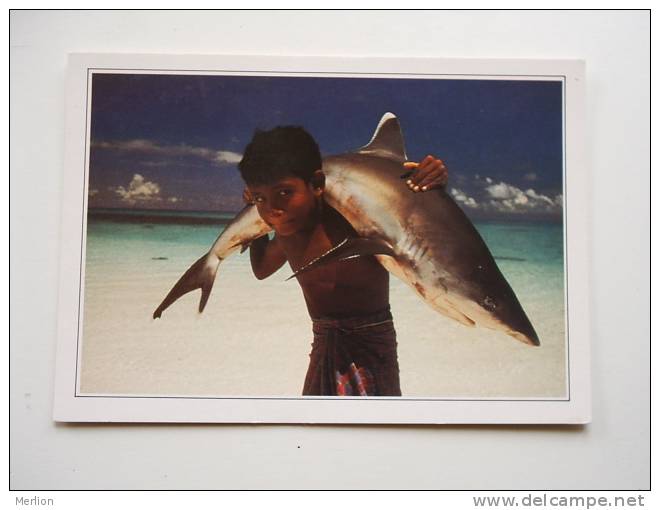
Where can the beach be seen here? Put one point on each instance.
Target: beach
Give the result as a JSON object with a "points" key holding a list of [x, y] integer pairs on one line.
{"points": [[254, 337]]}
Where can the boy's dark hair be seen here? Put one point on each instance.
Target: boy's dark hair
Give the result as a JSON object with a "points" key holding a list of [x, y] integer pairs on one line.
{"points": [[278, 153]]}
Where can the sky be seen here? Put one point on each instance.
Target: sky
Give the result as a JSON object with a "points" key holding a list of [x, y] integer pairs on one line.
{"points": [[163, 141]]}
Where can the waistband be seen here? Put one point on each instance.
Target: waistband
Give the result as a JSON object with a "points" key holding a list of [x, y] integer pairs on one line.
{"points": [[350, 323]]}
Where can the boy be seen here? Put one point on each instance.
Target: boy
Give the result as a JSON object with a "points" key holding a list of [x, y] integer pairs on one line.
{"points": [[354, 346]]}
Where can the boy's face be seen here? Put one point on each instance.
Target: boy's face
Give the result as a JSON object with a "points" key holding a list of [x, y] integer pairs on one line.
{"points": [[288, 205]]}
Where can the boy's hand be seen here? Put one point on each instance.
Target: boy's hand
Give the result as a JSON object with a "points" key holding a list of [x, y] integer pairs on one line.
{"points": [[430, 173], [247, 198]]}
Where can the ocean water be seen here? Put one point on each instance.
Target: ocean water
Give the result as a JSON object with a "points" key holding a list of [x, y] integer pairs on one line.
{"points": [[134, 257], [530, 255]]}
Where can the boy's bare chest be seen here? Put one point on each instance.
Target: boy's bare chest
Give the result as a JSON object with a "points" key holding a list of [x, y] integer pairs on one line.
{"points": [[334, 275], [305, 248], [337, 288]]}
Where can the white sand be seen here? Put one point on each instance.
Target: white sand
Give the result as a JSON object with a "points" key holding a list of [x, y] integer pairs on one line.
{"points": [[254, 337]]}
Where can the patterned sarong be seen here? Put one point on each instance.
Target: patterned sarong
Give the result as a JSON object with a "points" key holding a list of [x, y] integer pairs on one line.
{"points": [[354, 357]]}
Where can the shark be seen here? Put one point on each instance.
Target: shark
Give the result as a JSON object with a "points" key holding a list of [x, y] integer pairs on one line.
{"points": [[424, 239]]}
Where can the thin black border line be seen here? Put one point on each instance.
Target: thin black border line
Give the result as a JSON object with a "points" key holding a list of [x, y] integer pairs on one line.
{"points": [[565, 227], [170, 71], [650, 254], [325, 399]]}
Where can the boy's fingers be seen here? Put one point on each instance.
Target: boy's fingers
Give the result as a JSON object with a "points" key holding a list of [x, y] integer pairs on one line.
{"points": [[428, 160], [428, 174], [430, 182], [418, 172], [423, 178], [435, 178], [411, 167]]}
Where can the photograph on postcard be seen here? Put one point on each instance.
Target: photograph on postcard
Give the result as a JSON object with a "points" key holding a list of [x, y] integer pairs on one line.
{"points": [[256, 235]]}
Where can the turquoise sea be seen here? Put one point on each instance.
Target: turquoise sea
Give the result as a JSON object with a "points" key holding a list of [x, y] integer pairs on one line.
{"points": [[530, 254]]}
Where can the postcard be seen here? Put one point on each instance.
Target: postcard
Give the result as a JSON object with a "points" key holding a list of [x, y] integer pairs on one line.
{"points": [[251, 239]]}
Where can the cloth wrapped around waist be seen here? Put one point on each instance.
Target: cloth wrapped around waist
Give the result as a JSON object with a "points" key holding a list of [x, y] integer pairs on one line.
{"points": [[355, 356]]}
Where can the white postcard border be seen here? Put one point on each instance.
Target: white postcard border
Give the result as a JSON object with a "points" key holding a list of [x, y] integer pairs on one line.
{"points": [[71, 406]]}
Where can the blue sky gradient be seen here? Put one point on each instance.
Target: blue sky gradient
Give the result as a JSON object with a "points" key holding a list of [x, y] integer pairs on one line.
{"points": [[173, 141]]}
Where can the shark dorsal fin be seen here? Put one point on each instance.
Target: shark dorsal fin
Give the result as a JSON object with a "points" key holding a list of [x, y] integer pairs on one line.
{"points": [[387, 140]]}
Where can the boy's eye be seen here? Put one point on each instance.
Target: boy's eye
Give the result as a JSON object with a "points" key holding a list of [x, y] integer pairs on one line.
{"points": [[285, 192], [258, 200]]}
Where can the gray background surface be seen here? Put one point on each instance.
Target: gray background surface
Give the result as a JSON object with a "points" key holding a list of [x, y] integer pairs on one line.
{"points": [[611, 453]]}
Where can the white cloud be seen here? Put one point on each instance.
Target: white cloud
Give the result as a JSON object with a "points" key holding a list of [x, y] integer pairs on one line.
{"points": [[139, 191], [228, 157], [171, 151], [508, 198], [489, 196], [460, 196], [541, 198], [502, 191]]}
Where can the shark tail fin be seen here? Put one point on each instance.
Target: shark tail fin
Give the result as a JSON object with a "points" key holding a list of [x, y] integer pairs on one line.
{"points": [[200, 275], [387, 140], [349, 248]]}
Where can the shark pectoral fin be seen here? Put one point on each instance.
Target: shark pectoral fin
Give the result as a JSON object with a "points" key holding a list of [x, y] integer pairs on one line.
{"points": [[200, 275], [349, 248]]}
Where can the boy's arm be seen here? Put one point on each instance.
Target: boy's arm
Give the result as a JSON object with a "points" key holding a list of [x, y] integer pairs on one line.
{"points": [[266, 257], [428, 174]]}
